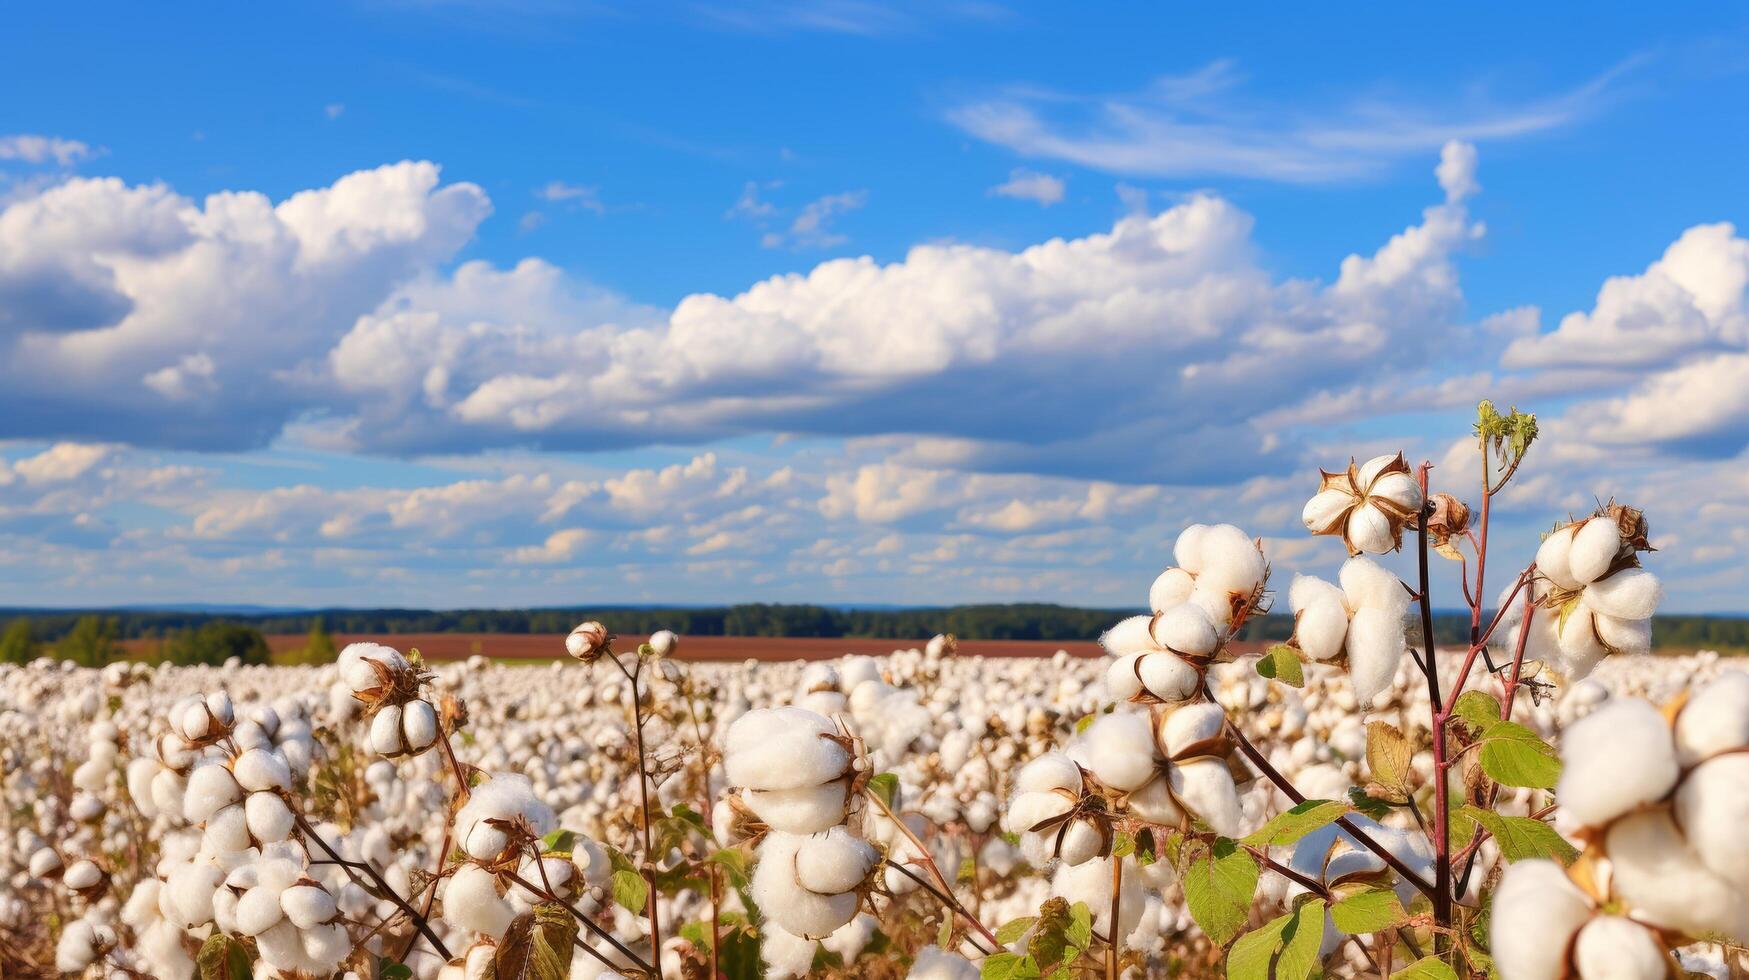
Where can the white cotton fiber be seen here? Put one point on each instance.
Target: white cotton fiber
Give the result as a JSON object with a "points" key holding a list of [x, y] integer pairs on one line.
{"points": [[1536, 912], [1613, 760], [1121, 679], [1399, 489], [783, 899], [308, 906], [1053, 770], [258, 910], [1170, 588], [419, 724], [1595, 546], [1081, 842], [1120, 750], [1629, 636], [1191, 725], [1154, 804], [471, 902], [325, 946], [1028, 810], [1129, 636], [187, 897], [1712, 805], [1665, 884], [1091, 883], [834, 862], [1375, 645], [1321, 617], [1325, 509], [1215, 602], [1632, 593], [259, 769], [1610, 947], [1715, 719], [808, 810], [210, 788], [1370, 530], [783, 748], [268, 817], [1205, 788], [1369, 585], [932, 963], [1554, 559], [1185, 628], [1577, 637], [385, 731], [1167, 677], [1187, 550], [1230, 561]]}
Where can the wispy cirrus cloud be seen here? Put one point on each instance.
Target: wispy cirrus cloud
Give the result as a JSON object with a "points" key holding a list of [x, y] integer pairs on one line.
{"points": [[1204, 124]]}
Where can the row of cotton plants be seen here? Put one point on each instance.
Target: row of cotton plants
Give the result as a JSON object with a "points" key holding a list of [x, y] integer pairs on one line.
{"points": [[1547, 800]]}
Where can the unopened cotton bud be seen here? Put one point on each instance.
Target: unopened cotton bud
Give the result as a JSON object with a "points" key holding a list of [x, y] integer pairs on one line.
{"points": [[1595, 546], [1614, 760], [664, 642], [1536, 912]]}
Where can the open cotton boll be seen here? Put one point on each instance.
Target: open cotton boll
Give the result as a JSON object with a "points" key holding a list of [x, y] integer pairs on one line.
{"points": [[932, 963], [1131, 635], [785, 954], [783, 748], [1320, 616], [1193, 724], [1167, 677], [1187, 550], [1632, 593], [808, 810], [258, 910], [1053, 770], [308, 906], [1081, 842], [385, 731], [1154, 804], [1595, 546], [1375, 645], [1366, 584], [1715, 719], [1370, 530], [1610, 947], [1665, 883], [1091, 883], [187, 896], [1120, 750], [1613, 760], [1554, 559], [419, 725], [1205, 787], [1712, 805], [1122, 679], [1397, 488], [268, 817], [210, 788], [836, 862], [1577, 638], [785, 901], [1325, 509], [1536, 912], [262, 769], [1170, 588], [471, 902], [1028, 810], [1185, 628], [1230, 561], [1629, 636]]}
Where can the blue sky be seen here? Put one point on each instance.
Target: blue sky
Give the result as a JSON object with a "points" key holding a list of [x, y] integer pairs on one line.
{"points": [[459, 303]]}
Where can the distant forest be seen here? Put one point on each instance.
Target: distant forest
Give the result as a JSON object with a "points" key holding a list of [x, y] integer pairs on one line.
{"points": [[1033, 621]]}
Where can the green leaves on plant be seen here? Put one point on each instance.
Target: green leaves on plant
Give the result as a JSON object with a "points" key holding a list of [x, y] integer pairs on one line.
{"points": [[1389, 757], [388, 969], [1511, 754], [1013, 929], [1523, 837], [1289, 826], [223, 958], [630, 890], [1285, 948], [1479, 708], [1509, 436], [1218, 887], [538, 945], [1063, 932], [558, 840], [1426, 968], [1368, 911], [885, 787], [1282, 663], [1009, 966]]}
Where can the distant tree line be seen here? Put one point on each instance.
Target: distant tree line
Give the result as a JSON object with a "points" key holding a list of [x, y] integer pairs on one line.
{"points": [[91, 637]]}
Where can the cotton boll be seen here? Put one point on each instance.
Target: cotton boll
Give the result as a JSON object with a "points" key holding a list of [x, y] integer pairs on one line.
{"points": [[1324, 510], [836, 862], [1171, 588], [1370, 530], [210, 787], [1537, 910], [1205, 788], [258, 910], [82, 875], [808, 810], [785, 901], [1632, 593], [385, 731], [1081, 842], [783, 748], [1577, 638], [1366, 584], [325, 946], [471, 902], [1028, 810], [1050, 771], [1715, 719], [1665, 884], [1399, 489], [140, 773], [1610, 947], [1595, 546], [1321, 620], [785, 954], [262, 769], [1185, 628], [1153, 803], [1614, 760], [1187, 550], [1712, 805], [1554, 559], [1191, 725], [44, 862], [419, 725], [1230, 561], [1626, 636], [1375, 645], [308, 906], [1132, 635], [1121, 679], [1120, 750], [187, 896], [269, 818], [932, 963], [1167, 677], [1091, 883]]}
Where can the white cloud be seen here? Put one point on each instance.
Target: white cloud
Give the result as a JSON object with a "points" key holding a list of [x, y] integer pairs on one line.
{"points": [[577, 195], [31, 148], [1030, 185], [812, 227]]}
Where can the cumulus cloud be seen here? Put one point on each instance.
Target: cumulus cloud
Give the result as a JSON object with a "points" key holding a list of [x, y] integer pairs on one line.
{"points": [[33, 148], [1030, 185]]}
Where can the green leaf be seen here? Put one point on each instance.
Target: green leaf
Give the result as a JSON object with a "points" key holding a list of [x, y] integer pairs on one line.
{"points": [[734, 863], [1370, 806], [538, 945], [1285, 948], [223, 958], [630, 890], [1388, 755], [388, 969], [1513, 755], [1523, 837], [968, 871], [1083, 723], [1013, 929], [1080, 930], [1009, 966], [1282, 663], [1479, 708], [1368, 911], [885, 786], [1426, 968], [1290, 825], [1218, 888], [558, 840]]}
